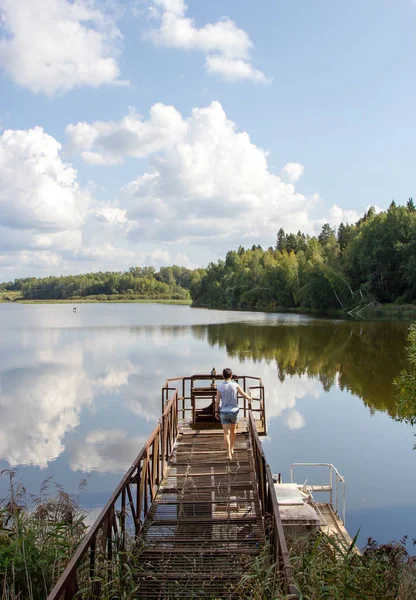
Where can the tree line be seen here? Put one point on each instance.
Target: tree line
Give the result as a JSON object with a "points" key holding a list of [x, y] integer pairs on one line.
{"points": [[372, 260], [171, 283]]}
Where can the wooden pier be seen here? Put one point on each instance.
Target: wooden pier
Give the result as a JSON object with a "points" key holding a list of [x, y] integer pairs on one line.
{"points": [[185, 521]]}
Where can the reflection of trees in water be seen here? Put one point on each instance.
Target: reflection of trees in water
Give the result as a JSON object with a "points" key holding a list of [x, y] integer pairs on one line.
{"points": [[363, 358]]}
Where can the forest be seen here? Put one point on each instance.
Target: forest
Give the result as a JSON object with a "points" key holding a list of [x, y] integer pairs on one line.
{"points": [[371, 262], [169, 283]]}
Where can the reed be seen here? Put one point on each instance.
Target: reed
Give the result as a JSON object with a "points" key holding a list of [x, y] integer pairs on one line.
{"points": [[325, 568], [38, 535]]}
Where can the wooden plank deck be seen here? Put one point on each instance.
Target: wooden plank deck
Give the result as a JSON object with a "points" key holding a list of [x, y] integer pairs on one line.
{"points": [[205, 524], [332, 525]]}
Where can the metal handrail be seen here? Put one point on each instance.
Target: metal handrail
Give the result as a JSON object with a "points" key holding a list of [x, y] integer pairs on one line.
{"points": [[184, 387], [105, 541], [338, 479], [108, 533], [270, 510]]}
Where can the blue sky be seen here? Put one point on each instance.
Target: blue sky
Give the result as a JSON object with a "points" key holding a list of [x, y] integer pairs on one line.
{"points": [[159, 132]]}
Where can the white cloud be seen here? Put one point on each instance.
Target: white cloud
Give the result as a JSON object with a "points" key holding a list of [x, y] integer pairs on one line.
{"points": [[234, 69], [292, 172], [226, 46], [43, 209], [182, 260], [112, 215], [339, 215], [104, 254], [107, 143], [54, 46], [209, 181], [214, 185], [37, 189], [159, 258]]}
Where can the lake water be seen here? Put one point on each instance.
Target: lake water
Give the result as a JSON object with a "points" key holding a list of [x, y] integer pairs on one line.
{"points": [[80, 393]]}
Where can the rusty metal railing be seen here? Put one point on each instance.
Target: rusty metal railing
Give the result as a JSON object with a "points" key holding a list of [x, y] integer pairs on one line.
{"points": [[270, 511], [101, 557], [183, 385], [94, 560]]}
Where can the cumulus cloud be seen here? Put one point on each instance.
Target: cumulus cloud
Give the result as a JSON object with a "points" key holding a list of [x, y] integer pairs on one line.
{"points": [[37, 189], [213, 186], [113, 216], [292, 172], [226, 46], [108, 143], [55, 46], [339, 215], [209, 182], [42, 206]]}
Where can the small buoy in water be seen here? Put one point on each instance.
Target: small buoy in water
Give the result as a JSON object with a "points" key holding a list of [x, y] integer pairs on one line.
{"points": [[74, 309]]}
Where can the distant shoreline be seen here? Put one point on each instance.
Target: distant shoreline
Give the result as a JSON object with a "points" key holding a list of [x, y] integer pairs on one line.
{"points": [[98, 301]]}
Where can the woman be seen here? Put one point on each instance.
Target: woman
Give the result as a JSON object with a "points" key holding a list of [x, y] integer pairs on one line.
{"points": [[227, 393]]}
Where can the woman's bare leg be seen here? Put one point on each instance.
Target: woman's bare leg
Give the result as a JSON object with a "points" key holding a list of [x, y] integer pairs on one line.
{"points": [[226, 430], [232, 436]]}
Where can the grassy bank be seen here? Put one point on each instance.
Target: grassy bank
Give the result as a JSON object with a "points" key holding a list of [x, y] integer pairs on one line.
{"points": [[382, 312], [96, 299], [10, 296]]}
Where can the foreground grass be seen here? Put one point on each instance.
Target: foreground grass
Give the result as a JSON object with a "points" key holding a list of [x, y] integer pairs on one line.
{"points": [[37, 542]]}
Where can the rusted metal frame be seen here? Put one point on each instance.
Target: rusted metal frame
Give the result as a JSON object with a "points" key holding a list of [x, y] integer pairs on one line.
{"points": [[147, 476], [165, 395], [145, 482], [278, 541], [108, 543], [260, 400], [137, 522], [283, 556], [68, 580], [164, 445], [124, 508], [123, 520], [155, 466]]}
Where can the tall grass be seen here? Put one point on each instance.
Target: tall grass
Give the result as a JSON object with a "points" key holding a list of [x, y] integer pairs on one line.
{"points": [[38, 535], [325, 568]]}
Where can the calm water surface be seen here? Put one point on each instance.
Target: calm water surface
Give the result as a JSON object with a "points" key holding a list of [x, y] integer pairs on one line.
{"points": [[80, 393]]}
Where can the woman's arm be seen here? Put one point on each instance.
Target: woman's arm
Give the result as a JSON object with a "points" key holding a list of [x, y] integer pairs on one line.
{"points": [[217, 403], [242, 392]]}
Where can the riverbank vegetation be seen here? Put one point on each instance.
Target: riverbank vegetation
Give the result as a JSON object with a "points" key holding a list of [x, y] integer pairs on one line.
{"points": [[361, 266], [365, 269], [39, 534], [138, 283]]}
